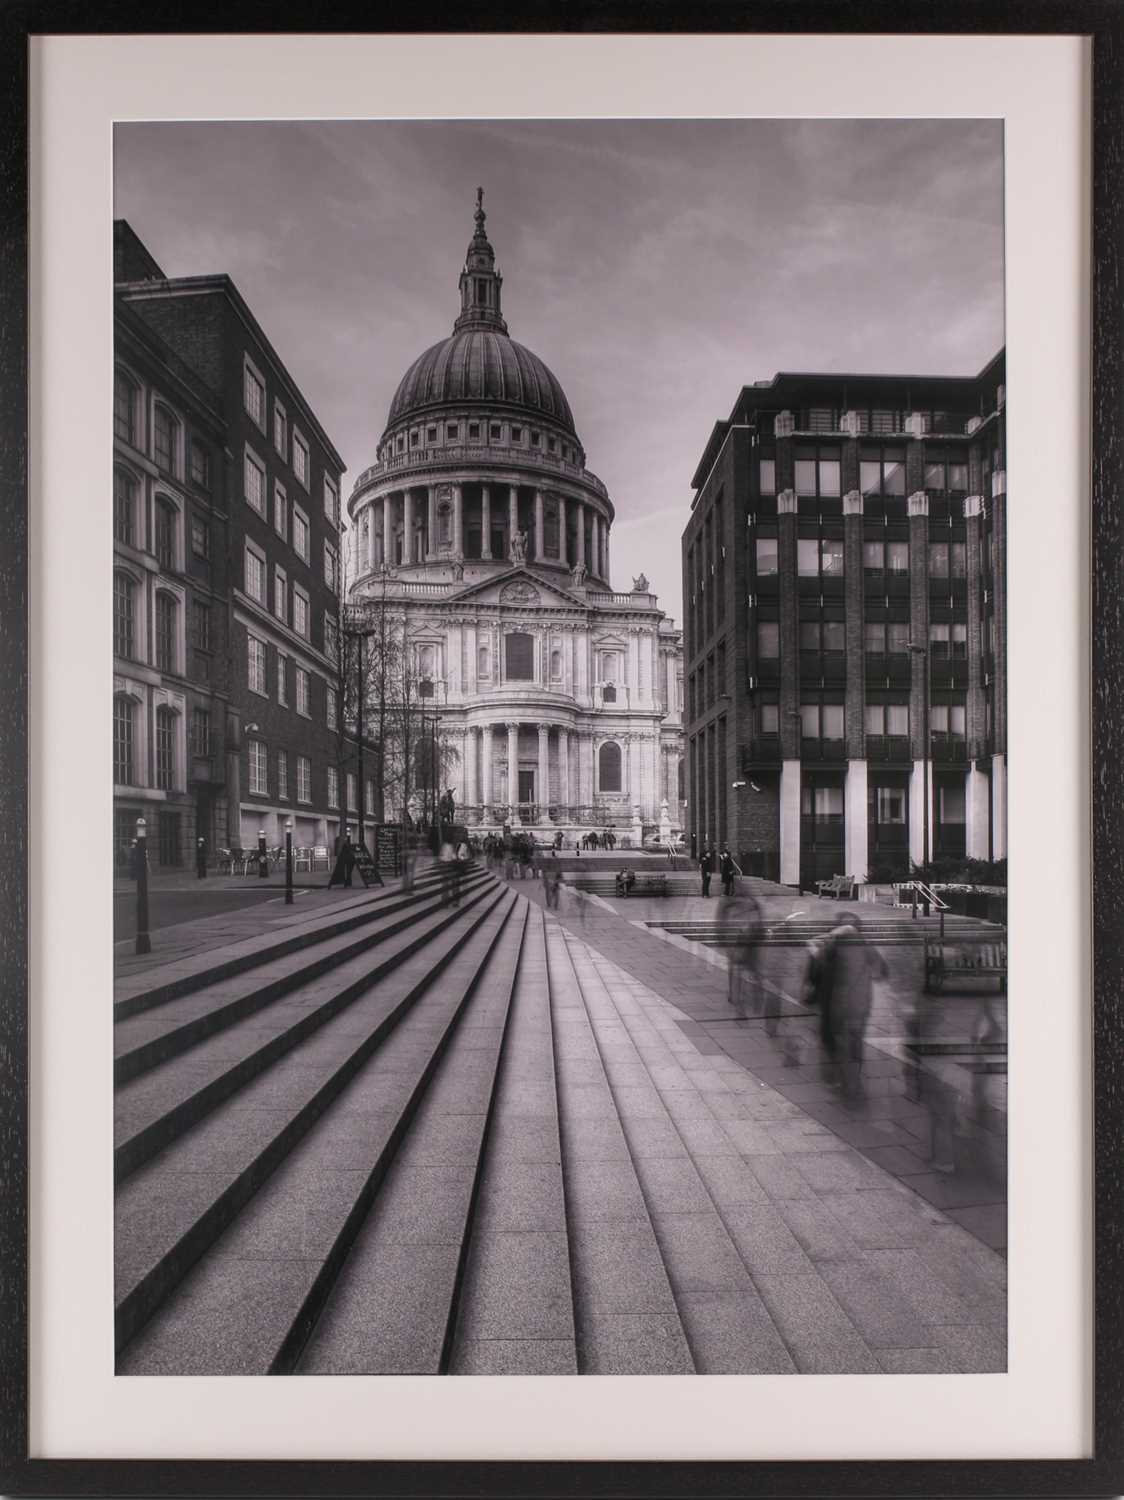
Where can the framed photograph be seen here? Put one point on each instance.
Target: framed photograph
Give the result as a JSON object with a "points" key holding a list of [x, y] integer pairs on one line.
{"points": [[561, 767]]}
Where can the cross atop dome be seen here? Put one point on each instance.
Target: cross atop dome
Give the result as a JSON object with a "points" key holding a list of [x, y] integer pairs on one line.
{"points": [[480, 282]]}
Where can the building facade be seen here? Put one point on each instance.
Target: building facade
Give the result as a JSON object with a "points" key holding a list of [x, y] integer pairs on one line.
{"points": [[481, 527], [844, 573], [253, 571]]}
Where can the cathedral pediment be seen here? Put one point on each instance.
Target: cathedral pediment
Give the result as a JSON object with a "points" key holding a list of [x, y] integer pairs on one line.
{"points": [[518, 588]]}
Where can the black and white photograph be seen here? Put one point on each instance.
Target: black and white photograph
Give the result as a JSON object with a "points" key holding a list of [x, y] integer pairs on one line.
{"points": [[559, 734]]}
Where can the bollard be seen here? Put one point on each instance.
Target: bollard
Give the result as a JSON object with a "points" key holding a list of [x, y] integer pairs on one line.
{"points": [[288, 861], [263, 858], [140, 852], [200, 859]]}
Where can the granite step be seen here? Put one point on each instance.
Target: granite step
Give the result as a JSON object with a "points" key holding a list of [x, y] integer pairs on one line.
{"points": [[150, 1037], [393, 1307], [626, 1318], [174, 1207], [150, 986], [516, 1314], [217, 1055]]}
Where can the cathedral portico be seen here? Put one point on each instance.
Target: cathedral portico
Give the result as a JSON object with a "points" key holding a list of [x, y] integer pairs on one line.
{"points": [[481, 525]]}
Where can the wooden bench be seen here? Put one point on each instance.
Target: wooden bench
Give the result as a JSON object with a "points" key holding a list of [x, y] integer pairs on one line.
{"points": [[969, 958], [606, 885], [839, 887]]}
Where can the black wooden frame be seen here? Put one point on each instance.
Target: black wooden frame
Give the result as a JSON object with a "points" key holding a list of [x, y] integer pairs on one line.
{"points": [[1103, 1474]]}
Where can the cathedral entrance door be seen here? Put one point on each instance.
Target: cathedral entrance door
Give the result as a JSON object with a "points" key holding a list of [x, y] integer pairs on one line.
{"points": [[526, 786]]}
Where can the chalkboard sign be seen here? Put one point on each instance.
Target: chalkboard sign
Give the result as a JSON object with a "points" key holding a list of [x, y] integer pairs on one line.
{"points": [[388, 848], [368, 870]]}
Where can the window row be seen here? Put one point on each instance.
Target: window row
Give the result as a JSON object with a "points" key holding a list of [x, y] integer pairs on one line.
{"points": [[257, 680], [881, 472], [290, 522], [300, 786], [436, 434], [168, 441], [289, 443], [825, 556], [946, 639], [167, 767], [827, 721]]}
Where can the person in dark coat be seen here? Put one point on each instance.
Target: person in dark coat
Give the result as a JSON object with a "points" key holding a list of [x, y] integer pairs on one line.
{"points": [[727, 869], [706, 868]]}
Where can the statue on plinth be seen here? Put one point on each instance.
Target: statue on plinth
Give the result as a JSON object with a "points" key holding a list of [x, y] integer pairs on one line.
{"points": [[640, 585], [518, 551], [457, 571], [578, 573]]}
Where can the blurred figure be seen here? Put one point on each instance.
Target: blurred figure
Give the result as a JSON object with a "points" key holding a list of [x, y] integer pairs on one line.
{"points": [[856, 964], [727, 869], [551, 878], [741, 921]]}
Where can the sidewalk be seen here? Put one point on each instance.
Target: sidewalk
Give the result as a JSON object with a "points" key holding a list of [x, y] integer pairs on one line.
{"points": [[887, 1128]]}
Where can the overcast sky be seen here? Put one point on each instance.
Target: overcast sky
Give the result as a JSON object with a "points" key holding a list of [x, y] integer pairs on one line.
{"points": [[656, 266]]}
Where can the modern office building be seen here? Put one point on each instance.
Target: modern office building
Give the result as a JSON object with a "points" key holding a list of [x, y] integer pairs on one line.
{"points": [[482, 529], [844, 573], [227, 574]]}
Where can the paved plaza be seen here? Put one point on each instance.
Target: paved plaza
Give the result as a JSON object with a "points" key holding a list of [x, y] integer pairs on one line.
{"points": [[385, 1132]]}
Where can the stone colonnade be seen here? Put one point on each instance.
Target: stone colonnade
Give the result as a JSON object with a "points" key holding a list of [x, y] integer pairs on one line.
{"points": [[424, 525]]}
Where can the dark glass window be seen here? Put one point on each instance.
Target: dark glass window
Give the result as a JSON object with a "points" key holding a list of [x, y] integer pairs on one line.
{"points": [[609, 767], [123, 741], [125, 396], [165, 536], [124, 615], [124, 507], [165, 749], [200, 465], [519, 657], [163, 438], [165, 633]]}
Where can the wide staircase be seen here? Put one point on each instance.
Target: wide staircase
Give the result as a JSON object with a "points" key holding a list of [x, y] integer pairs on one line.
{"points": [[878, 927], [420, 1136]]}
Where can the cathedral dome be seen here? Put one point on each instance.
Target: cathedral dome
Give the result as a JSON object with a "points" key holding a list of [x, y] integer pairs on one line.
{"points": [[481, 363]]}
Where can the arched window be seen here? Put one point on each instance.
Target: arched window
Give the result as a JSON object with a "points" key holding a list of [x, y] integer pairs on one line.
{"points": [[609, 767], [483, 662], [610, 666], [165, 748], [445, 522], [165, 538], [164, 439], [426, 656], [519, 657], [124, 748], [126, 401], [124, 615], [165, 633], [609, 694], [556, 666], [124, 507]]}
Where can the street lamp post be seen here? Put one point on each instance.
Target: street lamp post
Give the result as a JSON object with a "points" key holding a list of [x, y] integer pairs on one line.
{"points": [[288, 861], [144, 942], [923, 653]]}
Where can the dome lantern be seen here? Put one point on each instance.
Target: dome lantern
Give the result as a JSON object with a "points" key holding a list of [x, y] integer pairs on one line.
{"points": [[480, 282]]}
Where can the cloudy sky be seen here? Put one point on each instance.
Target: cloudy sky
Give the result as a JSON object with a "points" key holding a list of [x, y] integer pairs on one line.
{"points": [[656, 266]]}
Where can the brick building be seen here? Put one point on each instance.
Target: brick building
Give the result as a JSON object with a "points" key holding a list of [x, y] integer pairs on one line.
{"points": [[845, 634], [228, 460]]}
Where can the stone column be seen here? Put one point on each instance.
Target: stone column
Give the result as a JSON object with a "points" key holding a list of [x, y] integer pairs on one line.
{"points": [[562, 555], [977, 794], [512, 514], [408, 527], [431, 523], [458, 521], [580, 518], [854, 726], [790, 822], [538, 526], [595, 543], [513, 770], [387, 523], [999, 807], [855, 821], [918, 505], [471, 768], [486, 767], [543, 788], [917, 813], [485, 522], [564, 769], [605, 569]]}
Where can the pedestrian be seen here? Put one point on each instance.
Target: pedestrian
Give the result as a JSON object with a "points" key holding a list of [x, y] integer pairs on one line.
{"points": [[727, 869], [551, 877], [706, 868], [856, 965]]}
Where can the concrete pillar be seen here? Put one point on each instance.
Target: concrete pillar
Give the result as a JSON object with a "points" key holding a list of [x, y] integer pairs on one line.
{"points": [[542, 789], [855, 851], [790, 822], [976, 810], [486, 750], [595, 543], [581, 531], [387, 524], [539, 545], [917, 813], [458, 521], [513, 769], [485, 522], [999, 807], [408, 527], [564, 768], [635, 771], [562, 555], [431, 523]]}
